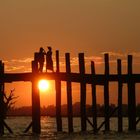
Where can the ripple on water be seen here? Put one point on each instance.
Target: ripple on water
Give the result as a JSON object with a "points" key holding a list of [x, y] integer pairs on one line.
{"points": [[48, 130]]}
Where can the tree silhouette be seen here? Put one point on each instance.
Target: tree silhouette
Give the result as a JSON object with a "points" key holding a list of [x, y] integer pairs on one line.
{"points": [[9, 101]]}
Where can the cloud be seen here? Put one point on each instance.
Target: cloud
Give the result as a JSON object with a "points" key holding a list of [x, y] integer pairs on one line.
{"points": [[24, 64], [24, 60], [18, 65], [97, 59], [74, 61], [14, 68], [136, 54], [121, 55], [115, 54]]}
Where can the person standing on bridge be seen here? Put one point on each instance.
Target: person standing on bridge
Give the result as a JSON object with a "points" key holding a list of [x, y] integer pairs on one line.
{"points": [[49, 61], [41, 59]]}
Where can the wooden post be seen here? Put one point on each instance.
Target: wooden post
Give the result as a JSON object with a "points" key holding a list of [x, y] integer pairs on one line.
{"points": [[58, 95], [57, 61], [36, 127], [83, 92], [106, 93], [131, 97], [94, 107], [69, 94], [120, 121], [1, 100]]}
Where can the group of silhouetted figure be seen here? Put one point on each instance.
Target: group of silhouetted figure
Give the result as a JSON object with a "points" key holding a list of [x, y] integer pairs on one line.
{"points": [[41, 59]]}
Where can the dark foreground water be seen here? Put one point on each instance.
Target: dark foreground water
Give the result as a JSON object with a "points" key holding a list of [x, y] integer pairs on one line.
{"points": [[48, 130]]}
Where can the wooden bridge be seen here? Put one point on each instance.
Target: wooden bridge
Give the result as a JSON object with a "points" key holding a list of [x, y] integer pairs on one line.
{"points": [[94, 79]]}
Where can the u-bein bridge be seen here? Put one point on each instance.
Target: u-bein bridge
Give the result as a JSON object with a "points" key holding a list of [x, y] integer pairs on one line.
{"points": [[94, 79]]}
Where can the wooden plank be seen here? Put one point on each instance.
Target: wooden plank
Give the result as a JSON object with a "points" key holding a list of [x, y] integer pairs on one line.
{"points": [[36, 126], [82, 92], [7, 127], [2, 109], [120, 115], [94, 107], [58, 95], [28, 127], [99, 79], [131, 97], [106, 93], [104, 122], [69, 94]]}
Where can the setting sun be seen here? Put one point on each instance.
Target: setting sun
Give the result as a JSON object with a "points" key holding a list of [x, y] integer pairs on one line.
{"points": [[43, 85]]}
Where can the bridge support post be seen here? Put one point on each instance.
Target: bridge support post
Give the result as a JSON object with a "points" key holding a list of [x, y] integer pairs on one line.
{"points": [[131, 97], [82, 92], [36, 127], [2, 111], [94, 107], [120, 120], [58, 96], [69, 94], [106, 93]]}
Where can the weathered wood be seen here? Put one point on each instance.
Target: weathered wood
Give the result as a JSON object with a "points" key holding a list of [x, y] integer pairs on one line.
{"points": [[94, 107], [7, 127], [69, 94], [106, 93], [137, 121], [28, 127], [58, 96], [57, 62], [36, 56], [98, 79], [2, 109], [36, 126], [110, 115], [120, 121], [88, 120], [82, 92], [131, 97], [83, 79]]}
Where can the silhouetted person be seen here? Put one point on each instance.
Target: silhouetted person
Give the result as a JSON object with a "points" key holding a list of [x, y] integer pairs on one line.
{"points": [[41, 59], [49, 61]]}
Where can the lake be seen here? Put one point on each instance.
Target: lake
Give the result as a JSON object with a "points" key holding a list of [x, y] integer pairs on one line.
{"points": [[48, 130]]}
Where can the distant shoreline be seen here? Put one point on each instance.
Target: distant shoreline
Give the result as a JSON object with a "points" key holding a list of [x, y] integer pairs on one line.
{"points": [[51, 110]]}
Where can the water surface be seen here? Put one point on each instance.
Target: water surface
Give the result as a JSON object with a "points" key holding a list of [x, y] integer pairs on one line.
{"points": [[48, 130]]}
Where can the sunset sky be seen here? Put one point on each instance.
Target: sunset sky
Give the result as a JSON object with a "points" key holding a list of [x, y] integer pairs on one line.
{"points": [[90, 26]]}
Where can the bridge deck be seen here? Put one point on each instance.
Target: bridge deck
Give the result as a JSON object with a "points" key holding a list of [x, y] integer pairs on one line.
{"points": [[98, 79]]}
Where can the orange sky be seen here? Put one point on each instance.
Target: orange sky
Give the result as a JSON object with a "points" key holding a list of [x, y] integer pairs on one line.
{"points": [[91, 26]]}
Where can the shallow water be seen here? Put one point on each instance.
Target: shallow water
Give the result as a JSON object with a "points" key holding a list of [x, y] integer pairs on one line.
{"points": [[48, 130]]}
